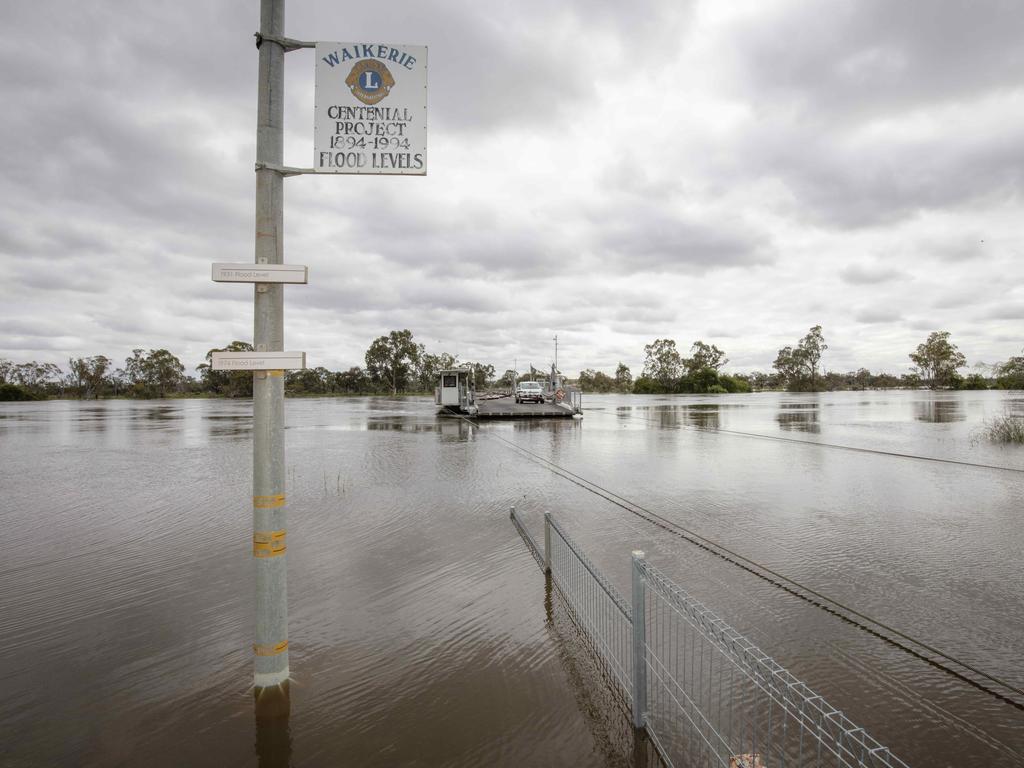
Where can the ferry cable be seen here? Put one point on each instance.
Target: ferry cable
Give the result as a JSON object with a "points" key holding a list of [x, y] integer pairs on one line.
{"points": [[837, 446], [795, 588]]}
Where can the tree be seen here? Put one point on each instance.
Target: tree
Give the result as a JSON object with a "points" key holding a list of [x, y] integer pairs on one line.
{"points": [[798, 367], [623, 379], [789, 365], [595, 381], [353, 381], [1010, 375], [702, 368], [482, 375], [507, 380], [430, 367], [662, 363], [155, 372], [227, 383], [391, 359], [309, 381], [164, 371], [938, 359], [811, 348], [704, 356], [89, 375], [37, 378]]}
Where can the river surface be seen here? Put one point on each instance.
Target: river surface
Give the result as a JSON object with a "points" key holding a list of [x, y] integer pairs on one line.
{"points": [[419, 627]]}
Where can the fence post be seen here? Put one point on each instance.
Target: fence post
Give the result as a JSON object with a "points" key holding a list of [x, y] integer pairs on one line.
{"points": [[639, 641], [547, 542]]}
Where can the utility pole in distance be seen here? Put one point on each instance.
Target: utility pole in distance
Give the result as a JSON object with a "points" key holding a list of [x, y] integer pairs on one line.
{"points": [[270, 529]]}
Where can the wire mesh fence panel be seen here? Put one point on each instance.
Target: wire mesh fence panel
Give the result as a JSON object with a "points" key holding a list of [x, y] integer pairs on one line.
{"points": [[715, 699], [597, 607], [709, 697]]}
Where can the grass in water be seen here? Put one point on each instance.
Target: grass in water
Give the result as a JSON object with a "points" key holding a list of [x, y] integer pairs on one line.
{"points": [[1005, 429]]}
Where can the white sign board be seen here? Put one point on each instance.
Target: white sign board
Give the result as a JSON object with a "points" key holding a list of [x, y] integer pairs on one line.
{"points": [[370, 113], [260, 273], [258, 361]]}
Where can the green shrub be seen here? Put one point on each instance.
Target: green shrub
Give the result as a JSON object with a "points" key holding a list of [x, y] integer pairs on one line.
{"points": [[12, 392]]}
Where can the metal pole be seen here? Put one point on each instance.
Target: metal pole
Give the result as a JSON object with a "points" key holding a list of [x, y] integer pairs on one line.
{"points": [[639, 641], [547, 542], [270, 646]]}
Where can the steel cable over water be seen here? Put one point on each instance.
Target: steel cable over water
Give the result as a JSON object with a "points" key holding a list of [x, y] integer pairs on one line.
{"points": [[1010, 694], [835, 446]]}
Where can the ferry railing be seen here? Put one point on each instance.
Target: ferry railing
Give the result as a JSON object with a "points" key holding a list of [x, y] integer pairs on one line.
{"points": [[704, 694]]}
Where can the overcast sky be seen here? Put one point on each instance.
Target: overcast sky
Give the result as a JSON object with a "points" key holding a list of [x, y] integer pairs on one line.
{"points": [[608, 172]]}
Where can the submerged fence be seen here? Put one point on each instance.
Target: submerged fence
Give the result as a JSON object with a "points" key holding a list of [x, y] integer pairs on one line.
{"points": [[705, 695]]}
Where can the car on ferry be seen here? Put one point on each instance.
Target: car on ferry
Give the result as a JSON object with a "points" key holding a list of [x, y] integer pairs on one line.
{"points": [[529, 392]]}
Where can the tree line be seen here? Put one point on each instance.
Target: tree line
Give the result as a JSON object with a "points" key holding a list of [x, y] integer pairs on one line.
{"points": [[937, 363], [396, 363]]}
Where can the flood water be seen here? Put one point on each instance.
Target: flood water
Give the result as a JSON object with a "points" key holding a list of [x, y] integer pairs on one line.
{"points": [[419, 629]]}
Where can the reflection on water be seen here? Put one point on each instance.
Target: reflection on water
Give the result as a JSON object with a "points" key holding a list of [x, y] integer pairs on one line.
{"points": [[597, 698], [273, 742], [704, 416], [939, 411], [799, 417], [272, 707]]}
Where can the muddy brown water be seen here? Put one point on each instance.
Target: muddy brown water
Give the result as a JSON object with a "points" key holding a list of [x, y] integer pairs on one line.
{"points": [[420, 633]]}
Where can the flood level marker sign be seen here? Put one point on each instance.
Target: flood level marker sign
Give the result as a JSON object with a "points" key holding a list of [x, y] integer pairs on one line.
{"points": [[258, 361], [260, 273], [370, 111]]}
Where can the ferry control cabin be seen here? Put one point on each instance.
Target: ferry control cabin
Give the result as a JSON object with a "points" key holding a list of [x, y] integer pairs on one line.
{"points": [[456, 392]]}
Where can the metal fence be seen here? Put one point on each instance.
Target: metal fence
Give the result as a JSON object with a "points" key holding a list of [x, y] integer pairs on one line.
{"points": [[705, 695]]}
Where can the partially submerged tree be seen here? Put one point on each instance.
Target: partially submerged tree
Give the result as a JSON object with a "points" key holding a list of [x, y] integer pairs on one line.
{"points": [[938, 359], [1010, 375], [89, 375], [392, 359], [227, 383], [154, 373], [663, 364], [798, 366], [623, 379]]}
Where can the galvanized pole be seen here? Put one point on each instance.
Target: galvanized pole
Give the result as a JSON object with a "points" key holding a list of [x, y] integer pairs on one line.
{"points": [[639, 643], [270, 644], [547, 542]]}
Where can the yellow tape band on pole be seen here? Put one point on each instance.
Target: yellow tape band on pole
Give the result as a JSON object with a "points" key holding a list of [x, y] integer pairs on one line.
{"points": [[268, 502], [269, 543], [270, 650], [275, 373]]}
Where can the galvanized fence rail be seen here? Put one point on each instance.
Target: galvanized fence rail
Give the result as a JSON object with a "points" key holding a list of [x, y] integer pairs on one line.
{"points": [[705, 694]]}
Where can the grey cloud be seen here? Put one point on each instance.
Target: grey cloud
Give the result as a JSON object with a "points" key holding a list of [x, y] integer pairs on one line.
{"points": [[863, 274], [1013, 311], [654, 315], [962, 297], [657, 241], [865, 186], [925, 324], [871, 56], [486, 67], [878, 315], [957, 248]]}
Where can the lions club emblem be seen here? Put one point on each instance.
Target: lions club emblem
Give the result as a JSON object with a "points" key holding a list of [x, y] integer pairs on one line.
{"points": [[369, 81]]}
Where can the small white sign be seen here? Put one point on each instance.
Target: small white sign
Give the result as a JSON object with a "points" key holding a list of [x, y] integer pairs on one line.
{"points": [[260, 273], [258, 361], [370, 113]]}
